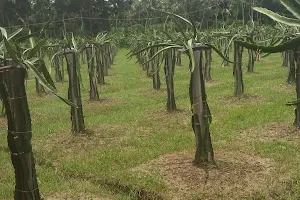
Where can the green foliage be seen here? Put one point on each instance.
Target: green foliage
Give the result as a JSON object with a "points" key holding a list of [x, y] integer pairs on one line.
{"points": [[183, 39], [87, 17], [14, 50], [279, 18]]}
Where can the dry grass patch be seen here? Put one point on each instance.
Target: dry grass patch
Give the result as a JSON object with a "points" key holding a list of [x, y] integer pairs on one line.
{"points": [[70, 143], [4, 149], [3, 121], [235, 176], [144, 79], [65, 145], [40, 97], [119, 133], [73, 197], [253, 73], [244, 100], [116, 75], [102, 136], [180, 118], [101, 106], [210, 83], [286, 87], [103, 101], [273, 132], [153, 91]]}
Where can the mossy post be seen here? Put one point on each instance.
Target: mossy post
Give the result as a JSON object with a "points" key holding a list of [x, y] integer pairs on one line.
{"points": [[169, 68], [220, 44], [143, 60], [100, 66], [297, 110], [105, 59], [149, 65], [251, 60], [285, 59], [155, 69], [201, 117], [207, 68], [90, 56], [226, 43], [179, 58], [38, 87], [58, 70], [291, 66], [108, 54], [74, 93], [237, 70], [12, 89], [257, 55], [114, 51]]}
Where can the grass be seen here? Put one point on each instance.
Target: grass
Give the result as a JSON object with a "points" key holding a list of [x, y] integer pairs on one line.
{"points": [[131, 127]]}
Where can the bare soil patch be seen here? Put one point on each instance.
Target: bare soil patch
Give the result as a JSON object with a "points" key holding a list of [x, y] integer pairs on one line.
{"points": [[236, 175]]}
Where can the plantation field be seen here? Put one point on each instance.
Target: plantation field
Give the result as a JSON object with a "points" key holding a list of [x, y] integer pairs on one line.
{"points": [[134, 149]]}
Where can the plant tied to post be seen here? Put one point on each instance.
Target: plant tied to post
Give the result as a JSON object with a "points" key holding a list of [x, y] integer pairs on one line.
{"points": [[17, 61], [201, 115], [284, 44], [103, 55], [70, 51]]}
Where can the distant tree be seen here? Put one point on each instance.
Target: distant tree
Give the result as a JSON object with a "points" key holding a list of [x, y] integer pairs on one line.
{"points": [[94, 16]]}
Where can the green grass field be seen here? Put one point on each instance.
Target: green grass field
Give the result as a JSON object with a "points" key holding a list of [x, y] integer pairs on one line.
{"points": [[136, 150]]}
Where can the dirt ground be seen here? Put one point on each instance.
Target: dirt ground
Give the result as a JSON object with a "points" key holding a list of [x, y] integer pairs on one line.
{"points": [[236, 175]]}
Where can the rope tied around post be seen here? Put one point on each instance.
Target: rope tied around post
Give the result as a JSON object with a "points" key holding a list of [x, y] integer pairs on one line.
{"points": [[18, 132], [27, 191], [15, 98]]}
